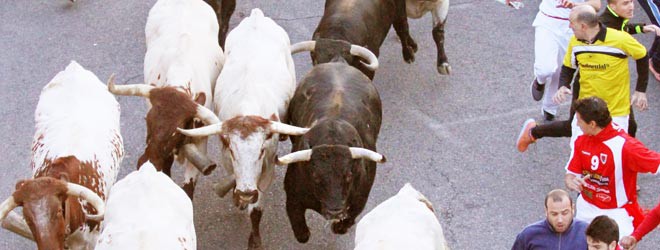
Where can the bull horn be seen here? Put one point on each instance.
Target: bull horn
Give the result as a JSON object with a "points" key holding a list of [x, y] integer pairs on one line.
{"points": [[206, 115], [15, 223], [226, 183], [6, 207], [303, 46], [212, 129], [198, 159], [366, 54], [302, 155], [91, 197], [364, 153], [283, 128], [129, 89]]}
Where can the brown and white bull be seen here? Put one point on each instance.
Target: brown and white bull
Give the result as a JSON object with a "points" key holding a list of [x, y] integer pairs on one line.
{"points": [[251, 96], [76, 155], [364, 23], [182, 62], [333, 165]]}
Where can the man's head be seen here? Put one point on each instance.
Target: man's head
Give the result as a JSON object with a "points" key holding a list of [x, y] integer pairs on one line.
{"points": [[623, 8], [583, 19], [602, 234], [592, 115], [559, 210]]}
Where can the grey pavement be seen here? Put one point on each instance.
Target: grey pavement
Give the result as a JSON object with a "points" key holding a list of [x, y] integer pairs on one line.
{"points": [[452, 137]]}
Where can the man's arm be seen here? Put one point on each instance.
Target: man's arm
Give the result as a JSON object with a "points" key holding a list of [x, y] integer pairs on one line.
{"points": [[639, 158], [570, 4], [642, 74]]}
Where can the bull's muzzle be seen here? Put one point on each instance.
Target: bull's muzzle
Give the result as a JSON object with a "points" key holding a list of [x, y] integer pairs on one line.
{"points": [[335, 214], [243, 198]]}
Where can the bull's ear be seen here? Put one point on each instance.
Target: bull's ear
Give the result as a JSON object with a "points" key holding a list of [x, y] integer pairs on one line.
{"points": [[200, 98], [273, 117], [64, 177]]}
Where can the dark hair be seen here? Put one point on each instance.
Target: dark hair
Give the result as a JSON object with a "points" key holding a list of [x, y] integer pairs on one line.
{"points": [[590, 18], [593, 109], [557, 195], [603, 229]]}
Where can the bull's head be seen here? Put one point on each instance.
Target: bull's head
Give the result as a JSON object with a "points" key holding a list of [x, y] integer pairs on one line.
{"points": [[247, 141], [44, 208], [333, 169], [328, 50], [171, 109]]}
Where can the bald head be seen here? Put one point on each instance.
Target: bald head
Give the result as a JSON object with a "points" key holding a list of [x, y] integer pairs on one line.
{"points": [[584, 14], [557, 195]]}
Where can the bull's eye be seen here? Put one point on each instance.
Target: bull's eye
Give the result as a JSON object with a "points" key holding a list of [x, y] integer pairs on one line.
{"points": [[261, 154], [348, 177]]}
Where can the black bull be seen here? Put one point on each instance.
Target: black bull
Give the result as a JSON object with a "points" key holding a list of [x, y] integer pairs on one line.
{"points": [[343, 109]]}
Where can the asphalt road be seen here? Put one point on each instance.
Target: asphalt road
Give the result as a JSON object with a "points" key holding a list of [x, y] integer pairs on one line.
{"points": [[452, 137]]}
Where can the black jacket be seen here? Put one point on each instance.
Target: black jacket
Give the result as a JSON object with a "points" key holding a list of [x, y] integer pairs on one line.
{"points": [[614, 21]]}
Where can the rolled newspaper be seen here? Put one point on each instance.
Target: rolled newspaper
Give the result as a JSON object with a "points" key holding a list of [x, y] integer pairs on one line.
{"points": [[516, 4]]}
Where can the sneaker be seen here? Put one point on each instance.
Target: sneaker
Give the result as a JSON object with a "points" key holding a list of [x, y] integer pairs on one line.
{"points": [[525, 137], [548, 117], [537, 90], [653, 71]]}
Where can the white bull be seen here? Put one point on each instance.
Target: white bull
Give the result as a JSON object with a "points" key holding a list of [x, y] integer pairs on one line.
{"points": [[148, 211], [251, 97], [404, 221], [439, 8]]}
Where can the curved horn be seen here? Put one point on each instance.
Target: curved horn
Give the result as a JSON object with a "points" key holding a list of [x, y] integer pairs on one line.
{"points": [[226, 183], [6, 207], [287, 129], [91, 197], [303, 46], [16, 224], [302, 155], [366, 54], [206, 115], [366, 154], [129, 89], [200, 160], [212, 129]]}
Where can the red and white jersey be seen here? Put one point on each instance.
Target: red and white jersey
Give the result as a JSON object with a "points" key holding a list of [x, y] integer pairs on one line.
{"points": [[612, 159]]}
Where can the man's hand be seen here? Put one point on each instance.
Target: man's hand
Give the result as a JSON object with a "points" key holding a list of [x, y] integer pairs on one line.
{"points": [[574, 183], [561, 95], [628, 242], [651, 28], [565, 4], [640, 101], [516, 4]]}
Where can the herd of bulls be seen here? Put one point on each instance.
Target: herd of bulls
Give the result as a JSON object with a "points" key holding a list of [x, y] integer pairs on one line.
{"points": [[241, 87]]}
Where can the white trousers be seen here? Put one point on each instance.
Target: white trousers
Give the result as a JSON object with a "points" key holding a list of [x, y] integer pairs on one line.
{"points": [[587, 212], [620, 121], [550, 42]]}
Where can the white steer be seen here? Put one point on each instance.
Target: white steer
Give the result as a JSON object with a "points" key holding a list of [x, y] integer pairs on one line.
{"points": [[148, 211], [251, 98], [404, 221]]}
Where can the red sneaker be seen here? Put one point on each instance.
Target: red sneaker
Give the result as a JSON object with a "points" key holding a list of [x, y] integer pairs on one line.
{"points": [[525, 137]]}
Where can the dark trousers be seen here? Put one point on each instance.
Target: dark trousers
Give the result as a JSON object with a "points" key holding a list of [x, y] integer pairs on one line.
{"points": [[652, 9], [564, 128]]}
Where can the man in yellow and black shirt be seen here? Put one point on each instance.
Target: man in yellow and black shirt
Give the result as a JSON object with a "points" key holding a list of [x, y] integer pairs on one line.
{"points": [[601, 54]]}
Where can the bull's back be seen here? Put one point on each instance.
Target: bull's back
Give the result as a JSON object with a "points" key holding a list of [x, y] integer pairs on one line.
{"points": [[76, 115], [147, 210], [337, 91], [364, 22]]}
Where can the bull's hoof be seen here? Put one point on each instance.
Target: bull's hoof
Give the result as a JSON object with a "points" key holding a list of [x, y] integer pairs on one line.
{"points": [[254, 242], [444, 69], [341, 227], [408, 54], [302, 237]]}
